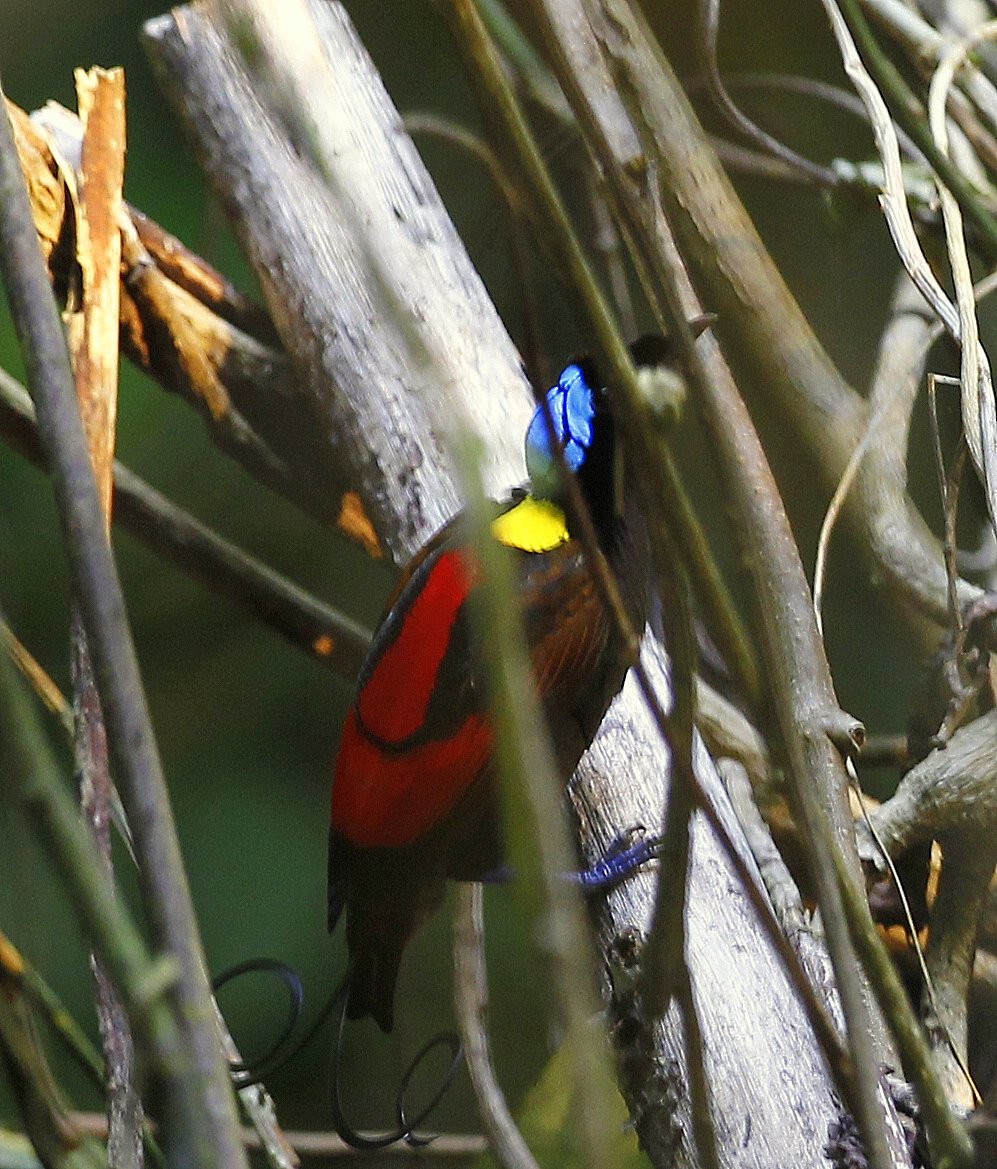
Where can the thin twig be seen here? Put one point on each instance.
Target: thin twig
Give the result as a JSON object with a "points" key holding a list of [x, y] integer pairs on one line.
{"points": [[257, 1104], [664, 966], [142, 981], [56, 1139], [894, 202], [948, 490], [911, 117], [39, 679], [922, 41], [979, 410], [608, 246], [709, 29], [815, 89], [69, 1033], [312, 626], [55, 701], [446, 1146], [471, 1001], [699, 1083]]}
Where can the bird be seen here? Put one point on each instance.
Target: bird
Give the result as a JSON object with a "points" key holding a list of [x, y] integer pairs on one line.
{"points": [[414, 799]]}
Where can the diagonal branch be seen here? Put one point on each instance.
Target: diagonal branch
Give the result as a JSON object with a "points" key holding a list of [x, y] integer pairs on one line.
{"points": [[93, 337], [314, 627]]}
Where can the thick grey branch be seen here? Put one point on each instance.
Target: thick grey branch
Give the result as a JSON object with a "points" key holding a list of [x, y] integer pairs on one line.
{"points": [[389, 335]]}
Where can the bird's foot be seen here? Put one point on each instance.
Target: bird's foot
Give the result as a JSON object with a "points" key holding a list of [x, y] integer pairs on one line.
{"points": [[628, 852]]}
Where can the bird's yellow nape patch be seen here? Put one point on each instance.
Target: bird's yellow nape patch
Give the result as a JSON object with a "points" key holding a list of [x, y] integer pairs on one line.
{"points": [[533, 525]]}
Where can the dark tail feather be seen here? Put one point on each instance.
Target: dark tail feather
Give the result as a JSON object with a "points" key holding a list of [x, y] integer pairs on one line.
{"points": [[384, 902], [339, 863], [372, 982], [367, 990]]}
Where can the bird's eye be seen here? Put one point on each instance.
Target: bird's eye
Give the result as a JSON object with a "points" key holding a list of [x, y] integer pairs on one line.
{"points": [[572, 408]]}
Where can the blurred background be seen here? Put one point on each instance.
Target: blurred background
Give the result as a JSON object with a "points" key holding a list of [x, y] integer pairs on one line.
{"points": [[248, 727]]}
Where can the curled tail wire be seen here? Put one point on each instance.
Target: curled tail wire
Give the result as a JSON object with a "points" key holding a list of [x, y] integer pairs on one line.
{"points": [[286, 1046], [406, 1126], [246, 1073]]}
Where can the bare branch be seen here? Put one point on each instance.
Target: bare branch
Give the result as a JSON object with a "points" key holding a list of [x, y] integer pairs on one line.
{"points": [[936, 797], [471, 999], [373, 216], [315, 628], [321, 1145], [93, 334]]}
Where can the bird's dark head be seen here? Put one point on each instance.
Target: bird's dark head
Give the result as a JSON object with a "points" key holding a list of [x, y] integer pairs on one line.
{"points": [[581, 422]]}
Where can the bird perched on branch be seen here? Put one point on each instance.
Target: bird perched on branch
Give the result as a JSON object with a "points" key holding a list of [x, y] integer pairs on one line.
{"points": [[414, 799]]}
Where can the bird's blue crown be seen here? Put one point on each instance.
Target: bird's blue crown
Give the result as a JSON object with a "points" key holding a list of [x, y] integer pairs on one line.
{"points": [[572, 411]]}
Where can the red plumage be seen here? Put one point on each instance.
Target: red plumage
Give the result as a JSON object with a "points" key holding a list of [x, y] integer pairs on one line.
{"points": [[413, 800], [395, 778]]}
